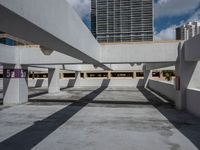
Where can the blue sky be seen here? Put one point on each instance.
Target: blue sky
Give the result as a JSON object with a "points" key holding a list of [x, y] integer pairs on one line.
{"points": [[168, 15]]}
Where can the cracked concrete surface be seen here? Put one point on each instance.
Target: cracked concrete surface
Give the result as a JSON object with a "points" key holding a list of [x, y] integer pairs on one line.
{"points": [[100, 119]]}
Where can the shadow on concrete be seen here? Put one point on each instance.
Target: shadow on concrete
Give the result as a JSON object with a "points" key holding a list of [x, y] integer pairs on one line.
{"points": [[31, 136], [37, 94], [70, 84], [39, 83], [65, 101], [140, 83], [187, 124]]}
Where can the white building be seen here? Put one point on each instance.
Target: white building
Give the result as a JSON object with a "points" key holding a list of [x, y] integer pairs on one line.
{"points": [[188, 30]]}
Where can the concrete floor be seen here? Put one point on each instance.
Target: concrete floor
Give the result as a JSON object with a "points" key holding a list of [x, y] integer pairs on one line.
{"points": [[97, 119]]}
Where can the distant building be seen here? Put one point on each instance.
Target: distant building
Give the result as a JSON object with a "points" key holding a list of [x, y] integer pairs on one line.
{"points": [[122, 20], [188, 31]]}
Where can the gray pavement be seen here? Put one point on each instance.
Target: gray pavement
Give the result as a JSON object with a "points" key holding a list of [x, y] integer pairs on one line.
{"points": [[97, 119]]}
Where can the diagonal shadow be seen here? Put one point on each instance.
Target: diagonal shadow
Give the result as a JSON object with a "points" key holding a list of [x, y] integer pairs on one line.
{"points": [[37, 94], [187, 124], [31, 136]]}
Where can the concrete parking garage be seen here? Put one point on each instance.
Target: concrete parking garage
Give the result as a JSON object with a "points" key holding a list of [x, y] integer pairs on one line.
{"points": [[98, 118]]}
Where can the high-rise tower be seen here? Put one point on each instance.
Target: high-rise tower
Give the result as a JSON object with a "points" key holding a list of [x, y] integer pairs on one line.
{"points": [[122, 20]]}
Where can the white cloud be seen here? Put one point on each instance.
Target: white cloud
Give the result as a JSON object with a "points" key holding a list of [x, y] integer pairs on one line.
{"points": [[170, 8], [82, 7], [170, 32], [166, 34], [195, 16]]}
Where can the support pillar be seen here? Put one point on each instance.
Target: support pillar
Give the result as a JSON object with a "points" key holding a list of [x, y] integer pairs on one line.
{"points": [[77, 78], [15, 84], [134, 74], [53, 80], [109, 75], [184, 72], [147, 76], [84, 75], [161, 75]]}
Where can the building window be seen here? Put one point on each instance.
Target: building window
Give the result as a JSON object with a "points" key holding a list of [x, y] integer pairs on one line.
{"points": [[97, 75], [122, 74], [139, 74]]}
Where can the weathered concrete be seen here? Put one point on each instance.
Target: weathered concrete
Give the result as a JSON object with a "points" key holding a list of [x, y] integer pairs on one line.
{"points": [[192, 49], [15, 89], [88, 82], [53, 80], [147, 76], [193, 101], [184, 71], [142, 121], [163, 88], [140, 52], [52, 29], [7, 54]]}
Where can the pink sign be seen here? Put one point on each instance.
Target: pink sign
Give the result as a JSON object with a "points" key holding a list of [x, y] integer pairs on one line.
{"points": [[15, 73]]}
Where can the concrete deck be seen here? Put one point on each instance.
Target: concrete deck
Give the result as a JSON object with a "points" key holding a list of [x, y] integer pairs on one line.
{"points": [[97, 119]]}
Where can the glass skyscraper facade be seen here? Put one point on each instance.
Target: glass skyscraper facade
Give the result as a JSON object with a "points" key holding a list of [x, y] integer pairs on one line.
{"points": [[122, 20]]}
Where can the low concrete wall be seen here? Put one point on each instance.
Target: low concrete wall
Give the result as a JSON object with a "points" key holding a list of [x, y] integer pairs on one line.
{"points": [[1, 83], [88, 82], [193, 101], [163, 88]]}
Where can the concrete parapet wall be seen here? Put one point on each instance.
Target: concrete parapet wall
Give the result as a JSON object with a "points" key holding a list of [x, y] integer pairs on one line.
{"points": [[163, 88], [88, 82], [193, 101]]}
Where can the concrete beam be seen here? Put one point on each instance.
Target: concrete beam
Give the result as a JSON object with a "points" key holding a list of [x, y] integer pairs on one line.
{"points": [[55, 26], [142, 52], [7, 55], [152, 66], [36, 56], [192, 49], [114, 67]]}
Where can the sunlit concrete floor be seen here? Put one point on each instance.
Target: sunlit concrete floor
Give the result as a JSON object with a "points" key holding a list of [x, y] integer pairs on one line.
{"points": [[97, 119]]}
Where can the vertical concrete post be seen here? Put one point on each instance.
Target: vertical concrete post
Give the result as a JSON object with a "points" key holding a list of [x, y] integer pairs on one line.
{"points": [[53, 80], [134, 74], [147, 76], [161, 75], [184, 71], [15, 84], [77, 78], [84, 75], [109, 75]]}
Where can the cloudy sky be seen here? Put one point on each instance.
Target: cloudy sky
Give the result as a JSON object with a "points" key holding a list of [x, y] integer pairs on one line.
{"points": [[169, 14]]}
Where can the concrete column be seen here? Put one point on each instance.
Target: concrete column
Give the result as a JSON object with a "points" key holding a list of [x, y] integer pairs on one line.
{"points": [[77, 78], [109, 75], [15, 84], [61, 75], [161, 75], [84, 75], [184, 71], [134, 74], [53, 80], [147, 76]]}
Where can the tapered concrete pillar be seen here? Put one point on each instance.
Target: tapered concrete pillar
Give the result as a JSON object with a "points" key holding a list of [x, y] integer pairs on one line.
{"points": [[109, 75], [184, 72], [15, 84], [147, 76], [53, 80], [77, 78], [84, 75]]}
